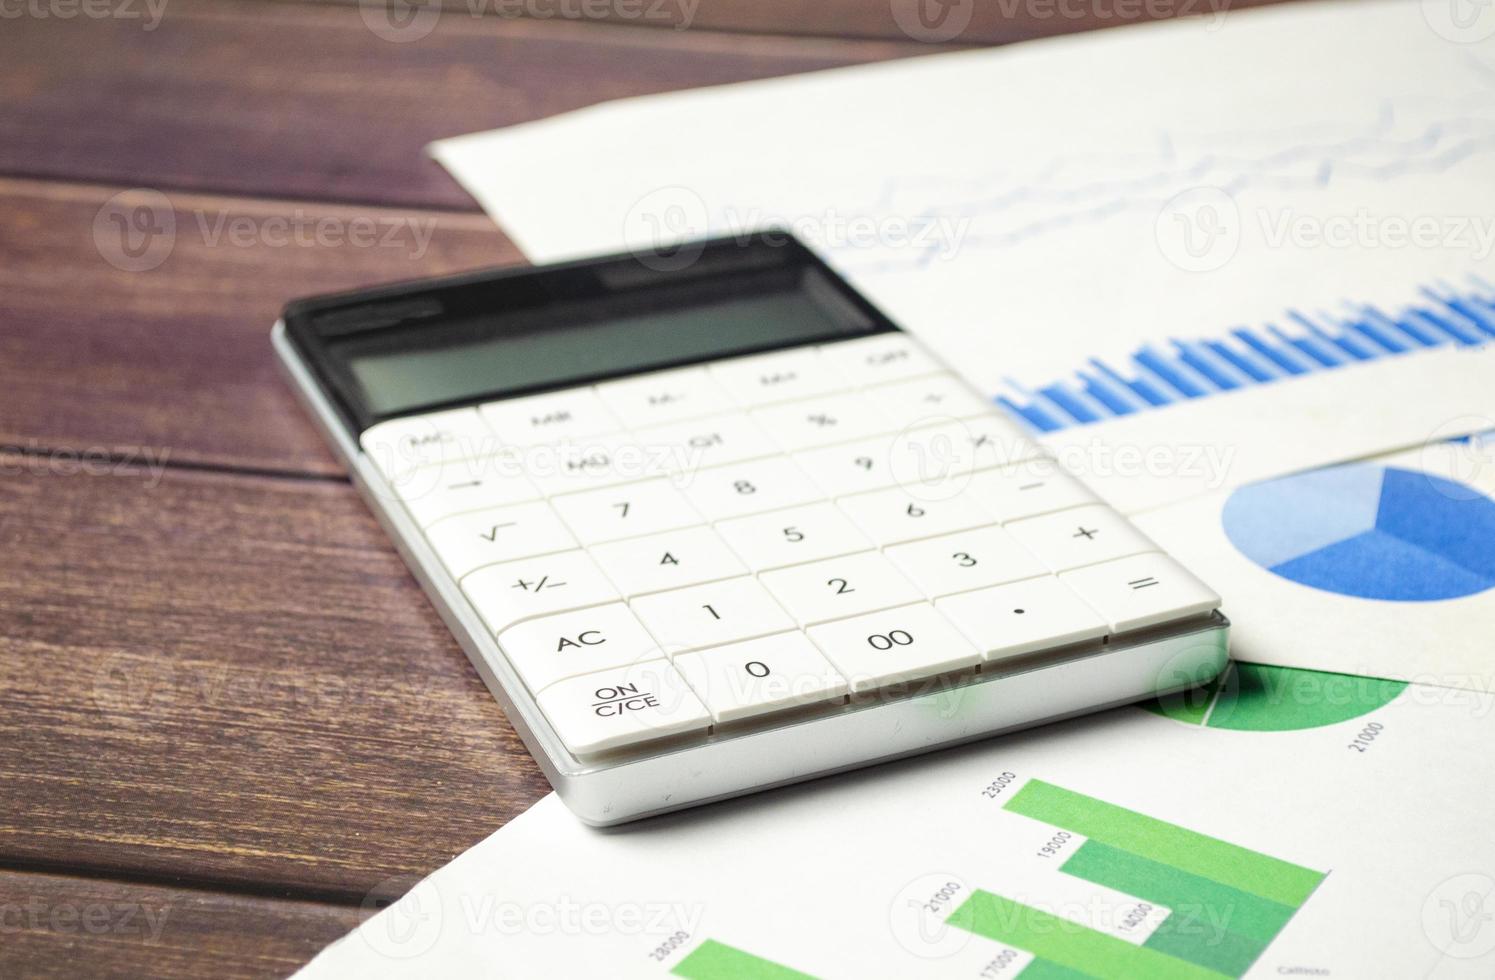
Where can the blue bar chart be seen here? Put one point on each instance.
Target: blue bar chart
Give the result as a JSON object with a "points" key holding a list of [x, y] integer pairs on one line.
{"points": [[1180, 370]]}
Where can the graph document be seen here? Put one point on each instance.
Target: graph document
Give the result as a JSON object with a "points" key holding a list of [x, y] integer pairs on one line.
{"points": [[1283, 823], [1223, 268]]}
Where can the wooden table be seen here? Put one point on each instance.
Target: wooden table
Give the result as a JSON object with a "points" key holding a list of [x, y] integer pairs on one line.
{"points": [[230, 721]]}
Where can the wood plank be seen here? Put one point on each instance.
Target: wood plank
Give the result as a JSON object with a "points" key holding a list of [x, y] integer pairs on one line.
{"points": [[234, 680], [174, 361], [972, 22], [307, 102], [54, 926]]}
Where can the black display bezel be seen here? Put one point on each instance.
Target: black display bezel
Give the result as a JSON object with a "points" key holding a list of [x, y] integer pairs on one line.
{"points": [[399, 316]]}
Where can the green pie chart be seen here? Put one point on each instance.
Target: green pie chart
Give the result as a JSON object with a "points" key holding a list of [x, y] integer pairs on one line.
{"points": [[1259, 698]]}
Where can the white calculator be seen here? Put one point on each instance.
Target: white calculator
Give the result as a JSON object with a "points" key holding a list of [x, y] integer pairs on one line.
{"points": [[715, 524]]}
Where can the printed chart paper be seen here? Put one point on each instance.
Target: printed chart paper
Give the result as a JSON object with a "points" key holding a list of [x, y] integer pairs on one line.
{"points": [[1384, 566], [1263, 246], [1286, 823], [1243, 207]]}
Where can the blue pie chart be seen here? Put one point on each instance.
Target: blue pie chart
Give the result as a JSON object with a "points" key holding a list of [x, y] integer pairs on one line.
{"points": [[1375, 532]]}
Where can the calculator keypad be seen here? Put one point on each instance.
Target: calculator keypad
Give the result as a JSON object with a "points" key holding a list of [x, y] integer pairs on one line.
{"points": [[699, 546]]}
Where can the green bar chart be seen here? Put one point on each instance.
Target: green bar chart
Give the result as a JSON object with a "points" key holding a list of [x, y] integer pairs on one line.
{"points": [[717, 961], [1225, 903]]}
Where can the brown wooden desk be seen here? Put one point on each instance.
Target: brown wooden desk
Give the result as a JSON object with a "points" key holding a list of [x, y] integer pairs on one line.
{"points": [[229, 721]]}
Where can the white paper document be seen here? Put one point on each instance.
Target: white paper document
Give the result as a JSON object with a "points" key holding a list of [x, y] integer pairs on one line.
{"points": [[1230, 232], [1286, 824], [1197, 257]]}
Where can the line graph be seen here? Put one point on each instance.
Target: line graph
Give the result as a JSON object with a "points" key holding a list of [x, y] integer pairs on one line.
{"points": [[1406, 137]]}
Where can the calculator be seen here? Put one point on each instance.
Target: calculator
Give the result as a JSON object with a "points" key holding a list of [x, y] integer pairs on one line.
{"points": [[709, 522]]}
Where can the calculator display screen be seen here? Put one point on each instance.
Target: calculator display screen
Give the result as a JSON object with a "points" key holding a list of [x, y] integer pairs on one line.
{"points": [[528, 359], [418, 347]]}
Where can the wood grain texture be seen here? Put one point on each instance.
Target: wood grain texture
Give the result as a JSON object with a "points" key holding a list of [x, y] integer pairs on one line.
{"points": [[61, 927], [308, 102], [174, 361], [232, 680], [931, 22]]}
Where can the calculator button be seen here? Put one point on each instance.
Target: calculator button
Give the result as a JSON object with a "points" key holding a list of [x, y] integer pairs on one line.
{"points": [[897, 515], [1140, 591], [552, 648], [553, 417], [927, 401], [518, 590], [1027, 489], [851, 468], [962, 446], [750, 487], [821, 421], [894, 645], [753, 678], [711, 615], [840, 587], [669, 560], [615, 708], [1021, 617], [625, 511], [793, 536], [664, 396], [780, 377], [456, 486], [591, 462], [1079, 536], [696, 444], [425, 440], [873, 360], [964, 561], [469, 541]]}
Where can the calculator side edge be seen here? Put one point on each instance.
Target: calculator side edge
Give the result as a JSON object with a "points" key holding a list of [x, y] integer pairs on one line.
{"points": [[456, 613]]}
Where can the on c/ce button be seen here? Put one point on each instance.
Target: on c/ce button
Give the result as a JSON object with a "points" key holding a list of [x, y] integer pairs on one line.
{"points": [[610, 709]]}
